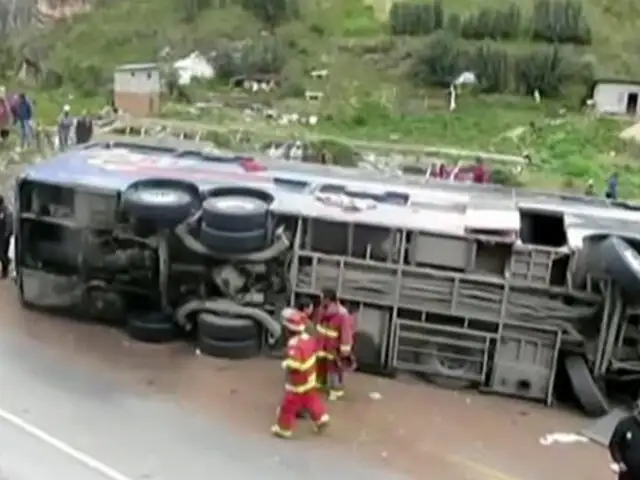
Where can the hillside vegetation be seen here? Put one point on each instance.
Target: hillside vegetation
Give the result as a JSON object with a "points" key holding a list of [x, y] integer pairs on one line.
{"points": [[389, 64]]}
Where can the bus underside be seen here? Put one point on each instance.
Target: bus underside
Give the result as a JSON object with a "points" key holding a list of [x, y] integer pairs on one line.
{"points": [[165, 262]]}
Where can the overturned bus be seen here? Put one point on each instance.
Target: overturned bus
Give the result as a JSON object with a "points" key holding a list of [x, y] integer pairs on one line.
{"points": [[464, 285]]}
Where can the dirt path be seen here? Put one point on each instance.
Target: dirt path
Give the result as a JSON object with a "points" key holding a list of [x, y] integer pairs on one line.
{"points": [[414, 429]]}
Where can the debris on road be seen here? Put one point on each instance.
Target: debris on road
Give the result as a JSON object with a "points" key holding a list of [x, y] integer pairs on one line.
{"points": [[563, 438]]}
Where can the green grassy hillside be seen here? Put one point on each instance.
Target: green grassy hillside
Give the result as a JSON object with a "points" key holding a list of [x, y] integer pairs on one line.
{"points": [[370, 92]]}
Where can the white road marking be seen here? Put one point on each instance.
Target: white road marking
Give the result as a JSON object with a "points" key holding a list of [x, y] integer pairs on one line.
{"points": [[81, 457]]}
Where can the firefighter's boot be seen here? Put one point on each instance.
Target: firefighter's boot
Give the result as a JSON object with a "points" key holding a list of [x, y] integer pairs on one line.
{"points": [[322, 424]]}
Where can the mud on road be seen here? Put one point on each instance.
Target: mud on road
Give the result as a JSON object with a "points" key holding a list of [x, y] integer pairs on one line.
{"points": [[396, 426]]}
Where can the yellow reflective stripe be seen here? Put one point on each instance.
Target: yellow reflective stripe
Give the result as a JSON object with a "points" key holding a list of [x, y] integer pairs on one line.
{"points": [[345, 348], [301, 366], [328, 332], [327, 355], [309, 385], [278, 430]]}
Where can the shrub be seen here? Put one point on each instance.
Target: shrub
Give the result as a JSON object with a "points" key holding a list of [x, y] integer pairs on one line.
{"points": [[560, 21], [51, 79], [507, 23], [505, 177], [438, 63], [492, 67], [86, 77], [478, 26], [341, 154], [266, 55], [488, 23], [227, 63], [292, 89], [272, 12], [547, 70], [454, 24], [218, 138], [409, 18], [191, 9], [8, 60], [438, 15]]}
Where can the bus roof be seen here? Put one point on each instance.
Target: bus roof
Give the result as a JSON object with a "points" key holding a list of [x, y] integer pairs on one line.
{"points": [[401, 202]]}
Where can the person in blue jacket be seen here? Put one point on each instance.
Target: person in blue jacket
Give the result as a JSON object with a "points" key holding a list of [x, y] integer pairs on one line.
{"points": [[24, 117], [612, 187]]}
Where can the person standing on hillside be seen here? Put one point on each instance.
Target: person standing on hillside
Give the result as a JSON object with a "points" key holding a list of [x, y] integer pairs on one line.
{"points": [[612, 187], [6, 116], [325, 157], [65, 124], [84, 129], [24, 117], [590, 189], [480, 174]]}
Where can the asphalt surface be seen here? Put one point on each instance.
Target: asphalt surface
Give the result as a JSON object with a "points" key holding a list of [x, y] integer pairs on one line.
{"points": [[62, 420], [26, 457]]}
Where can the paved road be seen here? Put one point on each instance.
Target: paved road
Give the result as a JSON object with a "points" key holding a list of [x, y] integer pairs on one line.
{"points": [[99, 430], [25, 457], [132, 407]]}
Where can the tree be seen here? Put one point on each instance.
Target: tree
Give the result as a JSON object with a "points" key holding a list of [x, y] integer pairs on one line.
{"points": [[546, 70], [272, 12], [191, 9], [438, 63]]}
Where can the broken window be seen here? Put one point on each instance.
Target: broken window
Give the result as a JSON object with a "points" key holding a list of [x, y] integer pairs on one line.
{"points": [[47, 200], [50, 247], [330, 238], [374, 243], [542, 228]]}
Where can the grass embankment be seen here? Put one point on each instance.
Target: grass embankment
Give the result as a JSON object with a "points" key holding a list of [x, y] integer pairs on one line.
{"points": [[367, 95]]}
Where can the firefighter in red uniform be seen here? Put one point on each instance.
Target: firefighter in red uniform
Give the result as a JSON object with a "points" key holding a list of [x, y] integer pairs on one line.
{"points": [[317, 318], [335, 328], [301, 393], [303, 312]]}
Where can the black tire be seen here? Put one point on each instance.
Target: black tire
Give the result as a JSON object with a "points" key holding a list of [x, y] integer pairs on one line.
{"points": [[232, 329], [239, 350], [104, 305], [622, 263], [152, 328], [165, 203], [235, 213], [442, 374], [586, 390], [233, 242]]}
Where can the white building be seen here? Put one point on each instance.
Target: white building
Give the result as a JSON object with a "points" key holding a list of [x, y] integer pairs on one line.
{"points": [[616, 97], [137, 89]]}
